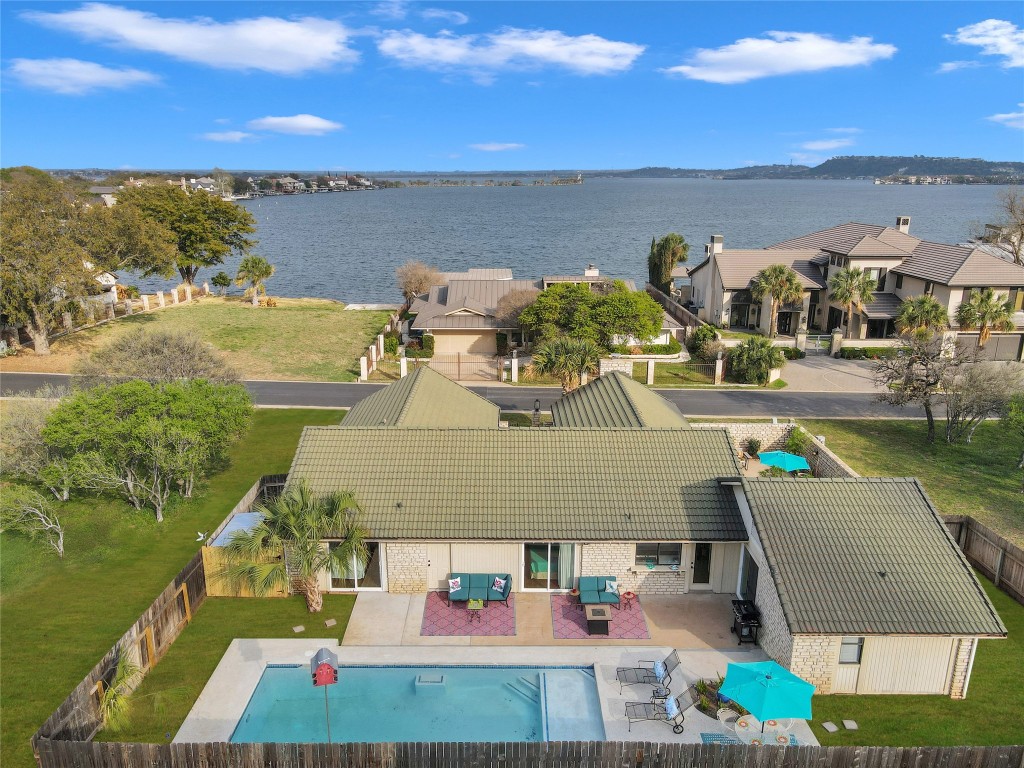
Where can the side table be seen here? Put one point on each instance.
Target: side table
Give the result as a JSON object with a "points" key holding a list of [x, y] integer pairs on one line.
{"points": [[476, 610], [574, 594], [627, 599]]}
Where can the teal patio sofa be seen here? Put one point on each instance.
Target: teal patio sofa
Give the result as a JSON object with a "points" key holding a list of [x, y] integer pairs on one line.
{"points": [[479, 586], [593, 590]]}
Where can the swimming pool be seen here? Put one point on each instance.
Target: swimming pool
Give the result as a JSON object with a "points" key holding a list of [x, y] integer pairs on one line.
{"points": [[442, 703]]}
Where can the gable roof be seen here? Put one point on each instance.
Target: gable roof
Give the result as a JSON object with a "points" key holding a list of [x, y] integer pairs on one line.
{"points": [[738, 267], [615, 400], [955, 265], [529, 484], [477, 299], [866, 239], [424, 398], [828, 542]]}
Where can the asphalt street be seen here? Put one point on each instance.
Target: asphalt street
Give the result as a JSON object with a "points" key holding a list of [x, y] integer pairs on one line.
{"points": [[724, 403]]}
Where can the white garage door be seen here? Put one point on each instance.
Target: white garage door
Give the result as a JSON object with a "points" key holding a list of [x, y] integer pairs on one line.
{"points": [[906, 665]]}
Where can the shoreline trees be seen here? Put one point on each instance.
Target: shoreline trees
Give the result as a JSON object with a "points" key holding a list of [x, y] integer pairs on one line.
{"points": [[665, 254]]}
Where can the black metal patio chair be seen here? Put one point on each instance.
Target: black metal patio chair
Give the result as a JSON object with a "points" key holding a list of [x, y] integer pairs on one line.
{"points": [[656, 673]]}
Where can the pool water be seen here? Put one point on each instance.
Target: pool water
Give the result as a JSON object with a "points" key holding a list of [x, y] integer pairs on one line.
{"points": [[464, 703]]}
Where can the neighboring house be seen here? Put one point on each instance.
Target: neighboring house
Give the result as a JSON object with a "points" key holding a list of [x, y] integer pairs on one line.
{"points": [[288, 184], [107, 194], [860, 585]]}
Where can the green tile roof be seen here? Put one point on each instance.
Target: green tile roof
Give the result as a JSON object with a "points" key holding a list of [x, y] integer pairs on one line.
{"points": [[615, 400], [828, 541], [529, 484], [424, 398]]}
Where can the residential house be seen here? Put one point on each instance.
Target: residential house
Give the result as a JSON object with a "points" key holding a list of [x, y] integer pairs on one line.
{"points": [[289, 185], [860, 586]]}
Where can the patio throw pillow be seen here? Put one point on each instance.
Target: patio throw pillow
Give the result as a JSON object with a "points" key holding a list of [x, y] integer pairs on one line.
{"points": [[454, 585], [660, 670], [499, 584], [611, 586], [671, 708]]}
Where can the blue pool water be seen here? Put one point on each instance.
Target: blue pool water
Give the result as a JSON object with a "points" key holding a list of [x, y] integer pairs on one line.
{"points": [[459, 703]]}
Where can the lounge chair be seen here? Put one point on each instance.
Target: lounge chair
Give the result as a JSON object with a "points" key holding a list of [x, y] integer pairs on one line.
{"points": [[594, 590], [670, 711], [659, 673]]}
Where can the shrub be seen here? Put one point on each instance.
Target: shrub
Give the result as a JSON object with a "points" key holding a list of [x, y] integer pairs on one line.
{"points": [[672, 348], [773, 472], [798, 441], [792, 353], [423, 347], [699, 340], [753, 446], [875, 353], [502, 342], [391, 341], [753, 360]]}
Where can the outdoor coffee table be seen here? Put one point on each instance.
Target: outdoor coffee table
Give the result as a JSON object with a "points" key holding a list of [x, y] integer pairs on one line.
{"points": [[476, 610], [748, 729], [598, 619]]}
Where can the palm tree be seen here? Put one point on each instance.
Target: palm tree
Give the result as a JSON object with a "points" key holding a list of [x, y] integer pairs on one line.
{"points": [[921, 313], [754, 359], [254, 270], [782, 284], [567, 358], [851, 287], [287, 545], [985, 311]]}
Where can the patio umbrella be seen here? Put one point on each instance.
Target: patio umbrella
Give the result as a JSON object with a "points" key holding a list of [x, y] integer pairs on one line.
{"points": [[768, 691], [790, 462]]}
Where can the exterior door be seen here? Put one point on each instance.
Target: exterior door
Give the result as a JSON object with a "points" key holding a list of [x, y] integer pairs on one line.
{"points": [[700, 567], [549, 566], [439, 565], [785, 322]]}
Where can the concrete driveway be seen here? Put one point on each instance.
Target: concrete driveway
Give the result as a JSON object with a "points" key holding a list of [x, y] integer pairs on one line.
{"points": [[821, 373]]}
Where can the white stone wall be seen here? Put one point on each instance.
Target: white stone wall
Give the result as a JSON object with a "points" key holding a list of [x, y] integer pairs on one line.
{"points": [[815, 658], [619, 559], [607, 365], [774, 636], [407, 567], [958, 687]]}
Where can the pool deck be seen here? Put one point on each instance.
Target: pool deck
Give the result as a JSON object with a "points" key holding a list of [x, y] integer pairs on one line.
{"points": [[223, 700]]}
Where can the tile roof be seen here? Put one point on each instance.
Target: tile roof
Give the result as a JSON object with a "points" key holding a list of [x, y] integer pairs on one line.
{"points": [[615, 400], [872, 239], [424, 398], [957, 266], [478, 297], [545, 484], [827, 543], [738, 267], [883, 306]]}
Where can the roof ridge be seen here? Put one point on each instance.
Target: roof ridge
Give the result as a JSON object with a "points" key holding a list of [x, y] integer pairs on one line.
{"points": [[618, 376], [412, 393]]}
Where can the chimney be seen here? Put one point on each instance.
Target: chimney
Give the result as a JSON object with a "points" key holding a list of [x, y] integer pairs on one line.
{"points": [[715, 246], [591, 271], [903, 224]]}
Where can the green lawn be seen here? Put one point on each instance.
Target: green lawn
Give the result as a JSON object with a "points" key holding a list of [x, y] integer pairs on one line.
{"points": [[117, 560], [732, 333], [992, 713], [302, 339], [979, 479], [676, 374], [167, 694]]}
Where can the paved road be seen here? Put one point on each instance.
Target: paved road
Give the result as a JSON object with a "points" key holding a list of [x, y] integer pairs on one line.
{"points": [[724, 403]]}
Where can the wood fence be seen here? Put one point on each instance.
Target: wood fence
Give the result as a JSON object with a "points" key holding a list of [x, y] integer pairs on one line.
{"points": [[573, 754], [1000, 560], [677, 311]]}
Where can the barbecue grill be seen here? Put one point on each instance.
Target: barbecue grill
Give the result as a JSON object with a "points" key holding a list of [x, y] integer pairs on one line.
{"points": [[746, 621]]}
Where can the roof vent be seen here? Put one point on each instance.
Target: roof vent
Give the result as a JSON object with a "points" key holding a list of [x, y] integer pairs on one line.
{"points": [[903, 224]]}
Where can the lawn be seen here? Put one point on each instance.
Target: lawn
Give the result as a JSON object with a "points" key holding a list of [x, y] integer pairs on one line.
{"points": [[167, 694], [732, 333], [299, 339], [992, 713], [117, 560], [977, 479], [677, 374]]}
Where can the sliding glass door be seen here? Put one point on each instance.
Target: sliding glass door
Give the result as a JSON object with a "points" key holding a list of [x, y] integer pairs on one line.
{"points": [[359, 575], [548, 565]]}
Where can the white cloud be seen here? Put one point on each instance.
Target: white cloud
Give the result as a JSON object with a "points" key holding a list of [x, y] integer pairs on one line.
{"points": [[953, 66], [75, 77], [269, 44], [303, 125], [391, 9], [509, 48], [496, 146], [823, 145], [845, 130], [779, 53], [1009, 119], [805, 158], [440, 14], [995, 38], [231, 137]]}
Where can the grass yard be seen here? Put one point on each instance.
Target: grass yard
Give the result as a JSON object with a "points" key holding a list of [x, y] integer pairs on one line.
{"points": [[732, 333], [992, 713], [167, 694], [117, 560], [299, 339], [979, 479], [677, 374]]}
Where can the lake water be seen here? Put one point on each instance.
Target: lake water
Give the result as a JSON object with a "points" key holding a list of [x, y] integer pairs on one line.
{"points": [[346, 246]]}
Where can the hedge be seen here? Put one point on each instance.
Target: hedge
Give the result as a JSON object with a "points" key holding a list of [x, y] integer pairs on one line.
{"points": [[424, 348], [861, 353], [792, 353], [672, 348]]}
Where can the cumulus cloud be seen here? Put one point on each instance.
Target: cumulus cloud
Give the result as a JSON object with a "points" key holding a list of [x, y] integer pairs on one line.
{"points": [[302, 125], [391, 9], [75, 77], [483, 55], [995, 38], [269, 44], [496, 146], [953, 66], [1010, 119], [823, 145], [779, 53], [440, 14], [231, 137]]}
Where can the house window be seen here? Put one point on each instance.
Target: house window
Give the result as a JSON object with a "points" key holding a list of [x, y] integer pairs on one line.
{"points": [[850, 650], [899, 281], [1016, 299], [929, 288], [649, 555]]}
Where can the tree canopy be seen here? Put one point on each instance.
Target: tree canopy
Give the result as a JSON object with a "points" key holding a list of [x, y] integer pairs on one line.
{"points": [[569, 359], [753, 360], [254, 270], [987, 311], [415, 277], [921, 312], [577, 311], [665, 253]]}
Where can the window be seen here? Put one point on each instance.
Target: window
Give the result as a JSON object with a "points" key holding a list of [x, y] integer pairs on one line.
{"points": [[850, 650], [929, 288], [748, 585], [899, 281], [1016, 299], [649, 555]]}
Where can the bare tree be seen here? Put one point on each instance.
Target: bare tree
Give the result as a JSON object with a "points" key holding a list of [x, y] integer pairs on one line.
{"points": [[26, 511], [415, 277], [1010, 235], [512, 304], [156, 356], [973, 393], [23, 450]]}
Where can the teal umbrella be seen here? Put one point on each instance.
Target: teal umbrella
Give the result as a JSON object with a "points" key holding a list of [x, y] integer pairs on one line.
{"points": [[768, 690], [787, 461]]}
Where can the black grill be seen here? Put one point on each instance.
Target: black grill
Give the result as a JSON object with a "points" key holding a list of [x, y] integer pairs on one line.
{"points": [[746, 621]]}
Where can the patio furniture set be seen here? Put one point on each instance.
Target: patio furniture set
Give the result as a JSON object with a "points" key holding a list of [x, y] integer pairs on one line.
{"points": [[478, 589], [596, 595], [663, 706]]}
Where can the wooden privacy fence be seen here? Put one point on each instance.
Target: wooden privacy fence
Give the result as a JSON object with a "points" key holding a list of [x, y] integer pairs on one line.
{"points": [[1000, 560], [676, 310], [555, 754]]}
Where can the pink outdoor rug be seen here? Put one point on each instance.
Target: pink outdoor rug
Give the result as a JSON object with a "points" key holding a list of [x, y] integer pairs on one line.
{"points": [[439, 620], [570, 623]]}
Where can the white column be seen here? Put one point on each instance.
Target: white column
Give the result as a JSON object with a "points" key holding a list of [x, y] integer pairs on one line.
{"points": [[403, 367], [515, 368], [650, 373], [188, 292], [174, 296], [145, 303], [160, 300], [363, 375]]}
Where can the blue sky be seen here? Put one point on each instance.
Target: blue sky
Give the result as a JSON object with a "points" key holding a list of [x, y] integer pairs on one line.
{"points": [[491, 86]]}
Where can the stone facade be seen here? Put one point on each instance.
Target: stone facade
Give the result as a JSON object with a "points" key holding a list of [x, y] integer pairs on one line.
{"points": [[407, 567], [619, 559], [961, 668], [814, 658], [774, 636], [607, 365]]}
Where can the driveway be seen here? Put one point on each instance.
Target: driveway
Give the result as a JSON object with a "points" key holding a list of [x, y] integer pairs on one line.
{"points": [[821, 373]]}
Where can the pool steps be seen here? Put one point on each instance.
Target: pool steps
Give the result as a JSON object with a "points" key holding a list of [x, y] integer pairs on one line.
{"points": [[527, 688]]}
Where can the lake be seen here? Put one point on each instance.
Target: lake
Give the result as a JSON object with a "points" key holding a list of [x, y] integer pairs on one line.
{"points": [[347, 245]]}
